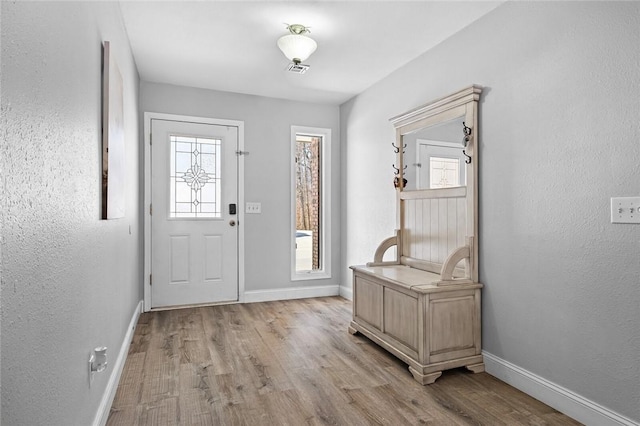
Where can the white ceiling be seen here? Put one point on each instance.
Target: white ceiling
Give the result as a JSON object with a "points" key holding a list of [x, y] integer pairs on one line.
{"points": [[231, 45]]}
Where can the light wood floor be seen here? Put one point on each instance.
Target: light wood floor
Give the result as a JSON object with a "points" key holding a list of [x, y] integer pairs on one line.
{"points": [[294, 363]]}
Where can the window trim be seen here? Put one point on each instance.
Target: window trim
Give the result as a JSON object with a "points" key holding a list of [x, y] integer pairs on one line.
{"points": [[325, 203]]}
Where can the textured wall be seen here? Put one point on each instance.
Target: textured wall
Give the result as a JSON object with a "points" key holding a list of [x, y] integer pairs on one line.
{"points": [[70, 281], [559, 136], [267, 124]]}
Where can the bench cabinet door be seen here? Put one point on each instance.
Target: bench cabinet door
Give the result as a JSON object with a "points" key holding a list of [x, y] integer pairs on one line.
{"points": [[401, 317], [454, 325], [368, 301]]}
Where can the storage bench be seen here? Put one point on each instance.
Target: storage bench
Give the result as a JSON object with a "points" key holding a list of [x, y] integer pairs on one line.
{"points": [[430, 327]]}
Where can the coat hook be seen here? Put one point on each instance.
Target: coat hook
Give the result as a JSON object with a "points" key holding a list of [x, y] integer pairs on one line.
{"points": [[467, 134], [466, 130], [397, 148], [397, 170], [396, 180]]}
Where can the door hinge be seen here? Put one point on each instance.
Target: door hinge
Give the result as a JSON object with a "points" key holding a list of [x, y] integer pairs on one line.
{"points": [[150, 209], [150, 138], [150, 280], [242, 152]]}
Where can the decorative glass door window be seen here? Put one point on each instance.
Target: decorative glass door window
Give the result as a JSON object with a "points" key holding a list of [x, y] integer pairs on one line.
{"points": [[195, 184], [445, 172]]}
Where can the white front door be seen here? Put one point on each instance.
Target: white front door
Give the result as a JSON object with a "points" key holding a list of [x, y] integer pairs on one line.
{"points": [[194, 230]]}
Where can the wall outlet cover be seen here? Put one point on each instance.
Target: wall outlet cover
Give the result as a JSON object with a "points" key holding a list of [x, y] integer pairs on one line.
{"points": [[625, 210]]}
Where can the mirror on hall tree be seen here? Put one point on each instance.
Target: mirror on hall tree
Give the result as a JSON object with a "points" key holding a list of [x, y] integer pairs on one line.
{"points": [[434, 157], [435, 143]]}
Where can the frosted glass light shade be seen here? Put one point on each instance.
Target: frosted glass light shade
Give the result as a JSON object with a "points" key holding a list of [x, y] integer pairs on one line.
{"points": [[297, 47]]}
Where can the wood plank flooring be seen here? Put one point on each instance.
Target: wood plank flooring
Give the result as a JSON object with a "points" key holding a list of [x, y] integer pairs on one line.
{"points": [[294, 363]]}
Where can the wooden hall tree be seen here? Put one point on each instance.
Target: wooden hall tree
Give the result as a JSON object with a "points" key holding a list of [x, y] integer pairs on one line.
{"points": [[424, 306]]}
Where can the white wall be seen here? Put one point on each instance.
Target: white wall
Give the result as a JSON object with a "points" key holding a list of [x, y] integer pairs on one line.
{"points": [[268, 124], [70, 281], [559, 135]]}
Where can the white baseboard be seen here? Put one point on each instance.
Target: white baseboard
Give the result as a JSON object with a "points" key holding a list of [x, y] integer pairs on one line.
{"points": [[110, 391], [346, 292], [562, 399], [290, 293]]}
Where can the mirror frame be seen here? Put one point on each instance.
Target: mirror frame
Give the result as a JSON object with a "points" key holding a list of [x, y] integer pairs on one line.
{"points": [[459, 104]]}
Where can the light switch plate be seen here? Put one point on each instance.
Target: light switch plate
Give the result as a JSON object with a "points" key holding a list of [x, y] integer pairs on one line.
{"points": [[625, 210], [253, 208]]}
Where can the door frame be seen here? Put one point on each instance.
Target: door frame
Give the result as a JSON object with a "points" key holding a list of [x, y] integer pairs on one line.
{"points": [[148, 116]]}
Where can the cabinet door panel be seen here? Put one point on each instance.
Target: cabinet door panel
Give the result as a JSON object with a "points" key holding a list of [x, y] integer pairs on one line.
{"points": [[452, 326], [368, 303], [401, 317]]}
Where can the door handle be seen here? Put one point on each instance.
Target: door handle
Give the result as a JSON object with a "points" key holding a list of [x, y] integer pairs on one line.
{"points": [[232, 223]]}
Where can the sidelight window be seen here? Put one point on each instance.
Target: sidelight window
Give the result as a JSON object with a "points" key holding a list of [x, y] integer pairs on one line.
{"points": [[310, 202]]}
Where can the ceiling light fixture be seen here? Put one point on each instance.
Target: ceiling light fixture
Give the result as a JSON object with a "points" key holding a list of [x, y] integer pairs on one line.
{"points": [[296, 45]]}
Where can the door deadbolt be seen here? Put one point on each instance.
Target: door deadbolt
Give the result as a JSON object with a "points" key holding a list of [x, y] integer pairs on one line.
{"points": [[232, 222]]}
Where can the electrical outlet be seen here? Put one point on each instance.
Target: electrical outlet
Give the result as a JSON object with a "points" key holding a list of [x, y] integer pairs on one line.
{"points": [[92, 359], [625, 210], [253, 208], [97, 362]]}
